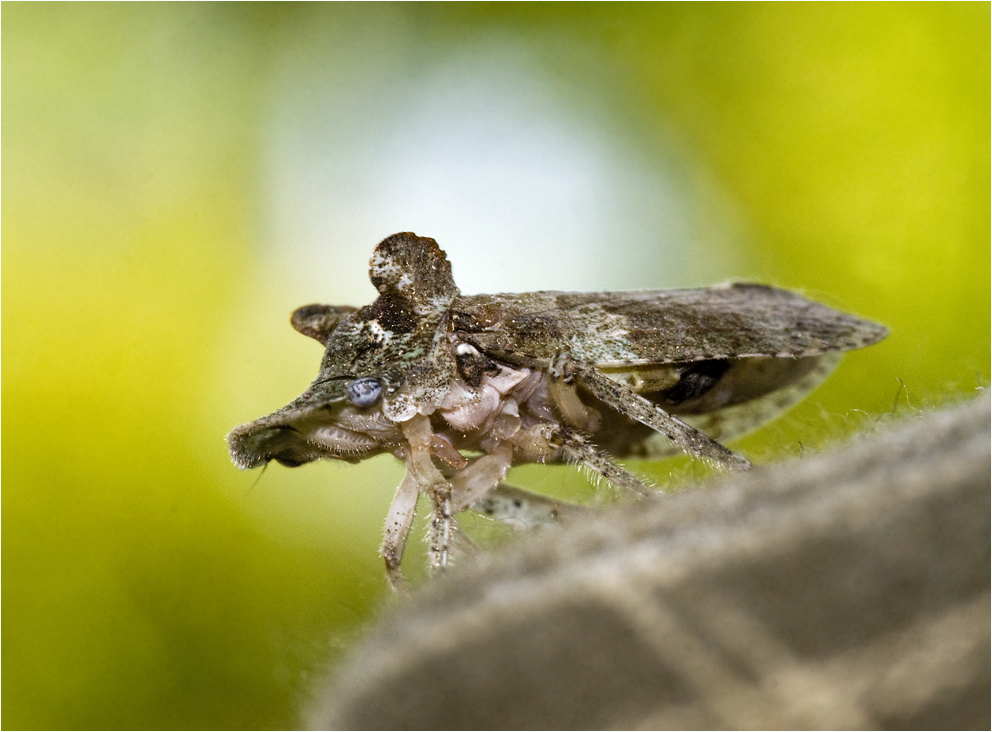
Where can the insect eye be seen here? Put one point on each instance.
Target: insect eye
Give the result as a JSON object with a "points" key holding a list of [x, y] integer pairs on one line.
{"points": [[364, 392]]}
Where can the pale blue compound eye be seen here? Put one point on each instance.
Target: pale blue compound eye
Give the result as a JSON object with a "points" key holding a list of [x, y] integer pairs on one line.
{"points": [[364, 392]]}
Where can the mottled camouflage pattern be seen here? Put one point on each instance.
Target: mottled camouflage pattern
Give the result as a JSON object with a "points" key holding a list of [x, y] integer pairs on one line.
{"points": [[430, 375], [617, 329]]}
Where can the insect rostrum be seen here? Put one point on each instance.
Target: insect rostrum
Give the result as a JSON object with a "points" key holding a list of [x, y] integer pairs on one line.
{"points": [[462, 388]]}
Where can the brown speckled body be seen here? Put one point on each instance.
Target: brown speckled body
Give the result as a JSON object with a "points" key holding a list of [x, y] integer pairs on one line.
{"points": [[462, 388]]}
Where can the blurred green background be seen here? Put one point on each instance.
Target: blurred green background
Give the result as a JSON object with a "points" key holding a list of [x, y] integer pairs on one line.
{"points": [[178, 178]]}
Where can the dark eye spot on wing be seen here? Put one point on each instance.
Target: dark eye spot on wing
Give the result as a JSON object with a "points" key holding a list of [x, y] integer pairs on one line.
{"points": [[695, 381], [707, 386]]}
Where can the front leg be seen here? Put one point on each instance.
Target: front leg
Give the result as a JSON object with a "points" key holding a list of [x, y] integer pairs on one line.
{"points": [[433, 484], [398, 522], [441, 528]]}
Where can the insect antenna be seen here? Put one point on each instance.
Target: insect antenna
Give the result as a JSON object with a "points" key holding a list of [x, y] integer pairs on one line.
{"points": [[255, 482]]}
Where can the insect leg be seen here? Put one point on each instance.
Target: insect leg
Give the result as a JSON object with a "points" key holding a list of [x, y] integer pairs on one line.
{"points": [[441, 528], [398, 523], [470, 484], [430, 481], [570, 405], [520, 508], [579, 449], [636, 407]]}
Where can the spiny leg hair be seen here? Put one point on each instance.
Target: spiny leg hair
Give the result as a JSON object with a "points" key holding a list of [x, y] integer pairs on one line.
{"points": [[633, 405]]}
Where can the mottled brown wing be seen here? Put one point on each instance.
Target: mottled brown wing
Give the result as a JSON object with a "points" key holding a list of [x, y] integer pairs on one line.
{"points": [[616, 329]]}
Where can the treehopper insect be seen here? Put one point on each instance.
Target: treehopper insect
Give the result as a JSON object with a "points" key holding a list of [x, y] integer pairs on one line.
{"points": [[462, 388]]}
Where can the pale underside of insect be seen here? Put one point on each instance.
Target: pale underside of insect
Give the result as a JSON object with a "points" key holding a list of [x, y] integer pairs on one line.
{"points": [[462, 388]]}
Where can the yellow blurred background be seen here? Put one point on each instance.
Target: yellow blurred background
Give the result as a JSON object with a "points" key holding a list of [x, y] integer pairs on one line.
{"points": [[179, 177]]}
